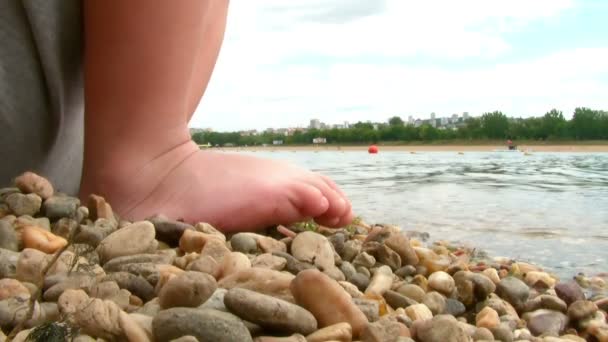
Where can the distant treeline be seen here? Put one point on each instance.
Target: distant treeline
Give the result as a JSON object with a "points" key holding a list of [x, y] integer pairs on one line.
{"points": [[586, 124]]}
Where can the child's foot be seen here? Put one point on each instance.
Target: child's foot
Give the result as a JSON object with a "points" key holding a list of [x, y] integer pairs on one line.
{"points": [[232, 192]]}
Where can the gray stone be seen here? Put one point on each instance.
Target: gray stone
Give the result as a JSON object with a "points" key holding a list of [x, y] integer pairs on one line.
{"points": [[115, 264], [216, 301], [441, 328], [513, 291], [294, 266], [74, 281], [454, 307], [57, 207], [8, 263], [406, 271], [502, 333], [348, 269], [364, 260], [369, 307], [384, 330], [548, 302], [546, 322], [269, 312], [137, 285], [21, 204], [412, 291], [92, 234], [136, 238], [204, 324], [337, 240], [351, 250], [581, 309], [244, 243], [188, 289], [360, 280], [8, 237]]}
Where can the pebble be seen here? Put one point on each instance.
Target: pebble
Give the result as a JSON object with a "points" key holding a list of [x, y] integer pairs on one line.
{"points": [[383, 254], [313, 248], [569, 292], [513, 291], [206, 325], [442, 282], [412, 291], [133, 239], [188, 289], [56, 207], [244, 243], [441, 328], [206, 264], [42, 240], [546, 322], [380, 282], [400, 243], [351, 249], [267, 260], [216, 301], [269, 312], [397, 300], [492, 274], [93, 316], [487, 318], [351, 289], [193, 241], [337, 332], [435, 302], [364, 260], [12, 288], [169, 231], [8, 237], [533, 277], [272, 283], [21, 204], [326, 300], [292, 338], [384, 330], [216, 249], [369, 307], [483, 334], [31, 183], [232, 263], [418, 312], [581, 309]]}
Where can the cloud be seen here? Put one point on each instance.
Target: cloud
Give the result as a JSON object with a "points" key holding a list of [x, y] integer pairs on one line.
{"points": [[286, 62]]}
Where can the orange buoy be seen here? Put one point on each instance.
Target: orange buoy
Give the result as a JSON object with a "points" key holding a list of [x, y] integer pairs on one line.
{"points": [[372, 149]]}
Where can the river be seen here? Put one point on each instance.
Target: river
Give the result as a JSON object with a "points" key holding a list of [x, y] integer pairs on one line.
{"points": [[550, 209]]}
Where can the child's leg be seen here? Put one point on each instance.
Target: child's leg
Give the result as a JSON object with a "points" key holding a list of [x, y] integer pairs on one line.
{"points": [[146, 66]]}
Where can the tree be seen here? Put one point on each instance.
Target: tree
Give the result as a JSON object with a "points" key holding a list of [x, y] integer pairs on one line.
{"points": [[495, 125], [552, 124], [395, 121]]}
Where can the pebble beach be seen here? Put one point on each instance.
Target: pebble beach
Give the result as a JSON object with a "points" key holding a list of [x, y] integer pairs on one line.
{"points": [[72, 271]]}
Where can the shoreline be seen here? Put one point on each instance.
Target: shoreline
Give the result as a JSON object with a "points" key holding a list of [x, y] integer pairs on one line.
{"points": [[569, 148]]}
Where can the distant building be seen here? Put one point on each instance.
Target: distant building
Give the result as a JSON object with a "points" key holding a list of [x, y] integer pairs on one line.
{"points": [[319, 141], [346, 124], [200, 130], [433, 116], [454, 118], [465, 115], [315, 124], [277, 142]]}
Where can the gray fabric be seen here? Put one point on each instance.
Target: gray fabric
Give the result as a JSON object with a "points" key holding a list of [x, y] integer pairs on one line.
{"points": [[41, 90]]}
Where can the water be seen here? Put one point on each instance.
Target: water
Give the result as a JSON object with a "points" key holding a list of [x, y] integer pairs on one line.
{"points": [[547, 208]]}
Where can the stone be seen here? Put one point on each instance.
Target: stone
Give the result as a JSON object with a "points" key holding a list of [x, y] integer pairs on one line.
{"points": [[352, 290], [513, 291], [30, 264], [369, 307], [12, 288], [381, 281], [269, 312], [206, 264], [21, 204], [241, 242], [397, 300], [337, 240], [169, 231], [533, 277], [133, 239], [56, 207], [272, 283], [406, 271], [93, 234], [8, 237], [109, 290], [269, 245], [313, 248], [360, 280], [487, 318], [441, 328], [502, 333], [492, 274], [267, 260], [336, 332], [293, 265], [569, 292], [115, 264], [548, 302], [442, 282], [64, 227], [581, 309], [31, 183], [384, 330], [292, 338], [74, 281], [412, 291], [364, 260], [99, 208], [216, 249], [435, 302], [189, 289], [383, 254], [483, 334], [95, 317], [546, 322], [193, 241], [132, 329], [234, 262], [351, 249], [206, 325], [454, 307], [418, 312], [348, 269], [326, 300], [400, 243], [216, 301], [42, 240]]}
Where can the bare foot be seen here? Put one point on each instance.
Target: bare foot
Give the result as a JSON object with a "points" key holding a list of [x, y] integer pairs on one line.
{"points": [[232, 192]]}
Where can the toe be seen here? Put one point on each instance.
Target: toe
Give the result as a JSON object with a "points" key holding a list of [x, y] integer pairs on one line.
{"points": [[308, 201]]}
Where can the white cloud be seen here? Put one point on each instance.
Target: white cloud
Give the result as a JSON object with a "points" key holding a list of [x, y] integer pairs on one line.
{"points": [[255, 85]]}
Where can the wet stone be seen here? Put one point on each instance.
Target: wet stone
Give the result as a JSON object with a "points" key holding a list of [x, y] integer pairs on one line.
{"points": [[243, 243], [569, 292], [513, 291], [454, 307], [57, 207]]}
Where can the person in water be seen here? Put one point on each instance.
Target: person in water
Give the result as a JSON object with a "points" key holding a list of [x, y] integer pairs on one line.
{"points": [[96, 95]]}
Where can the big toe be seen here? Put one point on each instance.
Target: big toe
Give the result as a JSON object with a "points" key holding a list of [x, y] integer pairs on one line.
{"points": [[307, 201]]}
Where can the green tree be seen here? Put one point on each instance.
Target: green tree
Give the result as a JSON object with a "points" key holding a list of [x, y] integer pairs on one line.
{"points": [[395, 121], [495, 125]]}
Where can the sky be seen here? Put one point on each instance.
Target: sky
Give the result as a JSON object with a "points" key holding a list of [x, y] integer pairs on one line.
{"points": [[285, 62]]}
